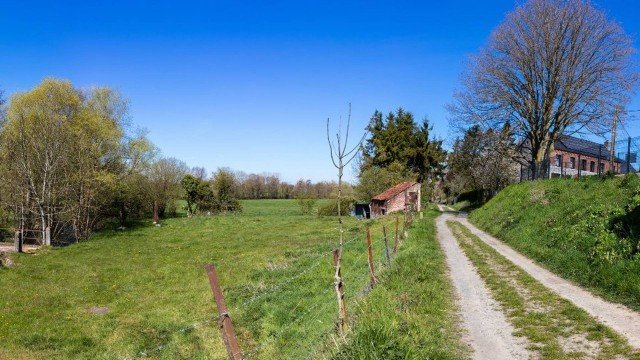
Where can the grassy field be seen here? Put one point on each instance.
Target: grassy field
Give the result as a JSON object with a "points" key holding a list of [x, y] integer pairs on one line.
{"points": [[585, 230], [153, 297], [411, 314]]}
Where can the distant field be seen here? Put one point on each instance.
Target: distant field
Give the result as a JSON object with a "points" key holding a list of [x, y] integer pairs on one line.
{"points": [[274, 265]]}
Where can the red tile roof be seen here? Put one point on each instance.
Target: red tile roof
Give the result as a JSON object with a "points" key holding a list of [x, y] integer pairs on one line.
{"points": [[393, 191]]}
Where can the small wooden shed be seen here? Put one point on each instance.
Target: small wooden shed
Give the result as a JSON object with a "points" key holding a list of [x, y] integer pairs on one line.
{"points": [[397, 198]]}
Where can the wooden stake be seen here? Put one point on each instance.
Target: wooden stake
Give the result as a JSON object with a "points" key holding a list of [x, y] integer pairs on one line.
{"points": [[386, 244], [370, 253], [342, 309], [224, 320], [156, 218], [395, 239]]}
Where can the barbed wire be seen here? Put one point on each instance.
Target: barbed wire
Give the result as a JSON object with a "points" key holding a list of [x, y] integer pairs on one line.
{"points": [[275, 336], [362, 264], [147, 352]]}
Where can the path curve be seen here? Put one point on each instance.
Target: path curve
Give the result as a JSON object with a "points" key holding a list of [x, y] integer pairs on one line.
{"points": [[489, 333], [619, 318]]}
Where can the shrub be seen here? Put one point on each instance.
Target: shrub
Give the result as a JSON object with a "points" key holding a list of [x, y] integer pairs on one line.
{"points": [[331, 208], [306, 204]]}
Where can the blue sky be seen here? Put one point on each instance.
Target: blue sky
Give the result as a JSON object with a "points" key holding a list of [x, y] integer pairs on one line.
{"points": [[249, 85]]}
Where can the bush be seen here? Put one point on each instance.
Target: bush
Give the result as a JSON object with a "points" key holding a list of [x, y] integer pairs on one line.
{"points": [[331, 209], [306, 204]]}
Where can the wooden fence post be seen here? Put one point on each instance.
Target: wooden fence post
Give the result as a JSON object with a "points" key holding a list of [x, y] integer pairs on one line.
{"points": [[386, 244], [404, 225], [370, 253], [342, 309], [224, 320], [18, 239], [395, 239]]}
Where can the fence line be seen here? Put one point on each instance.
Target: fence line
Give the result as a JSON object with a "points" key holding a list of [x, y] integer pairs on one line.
{"points": [[359, 266]]}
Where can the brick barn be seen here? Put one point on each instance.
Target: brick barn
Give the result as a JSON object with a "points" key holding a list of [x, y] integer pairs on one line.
{"points": [[396, 199], [573, 156]]}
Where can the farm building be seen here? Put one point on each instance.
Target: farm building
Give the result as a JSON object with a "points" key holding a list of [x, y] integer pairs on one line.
{"points": [[396, 199]]}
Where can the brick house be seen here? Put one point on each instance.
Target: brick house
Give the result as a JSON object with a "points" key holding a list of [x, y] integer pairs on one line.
{"points": [[573, 156], [396, 199]]}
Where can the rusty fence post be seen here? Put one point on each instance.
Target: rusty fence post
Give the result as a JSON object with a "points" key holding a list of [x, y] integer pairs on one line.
{"points": [[370, 255], [339, 285], [224, 320], [386, 244], [395, 239]]}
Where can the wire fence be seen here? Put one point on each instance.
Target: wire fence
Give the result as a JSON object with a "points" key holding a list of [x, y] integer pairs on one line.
{"points": [[291, 317]]}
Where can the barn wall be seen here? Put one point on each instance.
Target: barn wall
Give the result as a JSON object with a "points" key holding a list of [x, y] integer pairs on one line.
{"points": [[397, 203]]}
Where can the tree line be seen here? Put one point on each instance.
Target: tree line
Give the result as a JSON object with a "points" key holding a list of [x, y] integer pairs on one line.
{"points": [[71, 161]]}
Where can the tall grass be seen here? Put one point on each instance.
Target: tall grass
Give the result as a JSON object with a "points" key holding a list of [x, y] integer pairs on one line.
{"points": [[274, 265], [410, 314]]}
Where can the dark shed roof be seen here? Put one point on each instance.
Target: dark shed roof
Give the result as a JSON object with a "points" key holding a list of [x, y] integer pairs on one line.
{"points": [[393, 191]]}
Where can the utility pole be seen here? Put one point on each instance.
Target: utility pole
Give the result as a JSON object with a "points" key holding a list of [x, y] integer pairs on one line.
{"points": [[614, 129], [629, 155]]}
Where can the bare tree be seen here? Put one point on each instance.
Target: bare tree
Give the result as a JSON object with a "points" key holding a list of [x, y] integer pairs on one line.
{"points": [[341, 156], [552, 66]]}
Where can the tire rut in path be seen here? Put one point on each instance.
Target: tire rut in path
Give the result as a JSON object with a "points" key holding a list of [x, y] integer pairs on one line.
{"points": [[489, 333]]}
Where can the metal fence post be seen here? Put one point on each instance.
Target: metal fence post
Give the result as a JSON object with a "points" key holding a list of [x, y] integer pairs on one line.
{"points": [[224, 320], [370, 255], [47, 236]]}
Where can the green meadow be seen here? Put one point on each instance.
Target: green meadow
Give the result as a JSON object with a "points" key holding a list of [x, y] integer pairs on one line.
{"points": [[143, 292]]}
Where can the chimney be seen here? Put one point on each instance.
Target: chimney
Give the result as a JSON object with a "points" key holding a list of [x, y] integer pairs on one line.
{"points": [[606, 144]]}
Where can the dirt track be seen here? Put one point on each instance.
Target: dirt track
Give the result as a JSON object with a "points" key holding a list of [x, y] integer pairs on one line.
{"points": [[488, 332], [619, 318]]}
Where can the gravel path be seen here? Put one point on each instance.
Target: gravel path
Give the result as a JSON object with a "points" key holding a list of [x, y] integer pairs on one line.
{"points": [[489, 333], [621, 319]]}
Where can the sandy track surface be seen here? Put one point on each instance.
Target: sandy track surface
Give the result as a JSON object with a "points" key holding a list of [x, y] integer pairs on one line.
{"points": [[619, 318], [488, 331]]}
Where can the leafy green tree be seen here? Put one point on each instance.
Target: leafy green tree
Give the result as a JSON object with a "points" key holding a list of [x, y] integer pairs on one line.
{"points": [[165, 176], [480, 164], [224, 189]]}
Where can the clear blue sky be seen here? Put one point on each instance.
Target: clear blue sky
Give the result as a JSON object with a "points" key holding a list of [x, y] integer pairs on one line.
{"points": [[249, 85]]}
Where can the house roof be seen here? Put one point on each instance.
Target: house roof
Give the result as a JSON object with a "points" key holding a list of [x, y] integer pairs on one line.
{"points": [[393, 191], [584, 147]]}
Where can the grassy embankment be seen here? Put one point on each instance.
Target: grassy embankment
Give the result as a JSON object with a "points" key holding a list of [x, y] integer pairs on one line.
{"points": [[553, 327], [153, 299], [585, 230]]}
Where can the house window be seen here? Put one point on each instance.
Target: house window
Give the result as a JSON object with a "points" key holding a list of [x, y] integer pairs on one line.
{"points": [[572, 162], [583, 164], [592, 166], [558, 160], [601, 167]]}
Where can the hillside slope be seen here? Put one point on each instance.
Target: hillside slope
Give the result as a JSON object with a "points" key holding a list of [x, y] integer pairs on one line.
{"points": [[585, 230]]}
